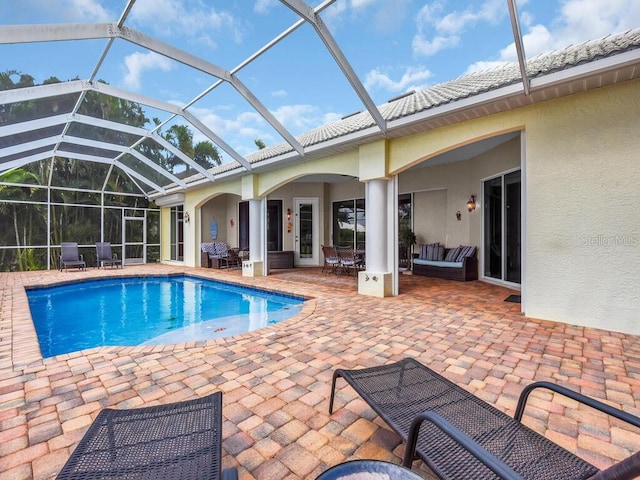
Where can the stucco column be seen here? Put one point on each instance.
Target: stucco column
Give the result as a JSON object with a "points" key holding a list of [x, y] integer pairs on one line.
{"points": [[254, 267], [376, 280], [376, 225], [255, 230]]}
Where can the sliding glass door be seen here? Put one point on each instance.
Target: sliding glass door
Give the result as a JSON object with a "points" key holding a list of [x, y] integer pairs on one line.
{"points": [[502, 227]]}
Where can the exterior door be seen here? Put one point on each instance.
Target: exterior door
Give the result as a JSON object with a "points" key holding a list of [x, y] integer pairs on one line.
{"points": [[306, 241], [134, 240], [502, 228]]}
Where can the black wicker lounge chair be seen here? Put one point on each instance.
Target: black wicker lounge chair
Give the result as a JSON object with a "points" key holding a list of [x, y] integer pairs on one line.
{"points": [[174, 441], [460, 436]]}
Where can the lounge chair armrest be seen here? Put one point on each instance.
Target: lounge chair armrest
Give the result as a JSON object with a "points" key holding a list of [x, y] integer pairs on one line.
{"points": [[626, 469], [487, 458], [591, 402]]}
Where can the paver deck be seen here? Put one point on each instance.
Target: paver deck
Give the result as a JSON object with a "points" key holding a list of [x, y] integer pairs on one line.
{"points": [[276, 381]]}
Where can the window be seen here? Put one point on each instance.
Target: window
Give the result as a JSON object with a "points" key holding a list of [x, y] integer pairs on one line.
{"points": [[349, 218], [274, 225], [243, 225]]}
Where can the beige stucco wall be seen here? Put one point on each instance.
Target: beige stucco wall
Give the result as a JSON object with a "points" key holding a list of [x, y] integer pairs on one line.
{"points": [[583, 227], [430, 217]]}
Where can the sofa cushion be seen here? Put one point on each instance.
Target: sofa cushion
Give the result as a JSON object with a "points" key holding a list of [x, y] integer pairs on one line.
{"points": [[436, 263], [452, 255]]}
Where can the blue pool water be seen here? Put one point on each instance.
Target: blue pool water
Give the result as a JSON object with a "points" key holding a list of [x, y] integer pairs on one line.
{"points": [[149, 311]]}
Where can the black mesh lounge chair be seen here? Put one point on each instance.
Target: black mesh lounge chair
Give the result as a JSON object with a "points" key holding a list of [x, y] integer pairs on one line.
{"points": [[174, 441], [460, 436], [69, 256], [105, 257]]}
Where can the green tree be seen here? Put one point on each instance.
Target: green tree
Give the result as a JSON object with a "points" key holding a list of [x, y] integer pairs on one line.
{"points": [[204, 153], [259, 143], [15, 209]]}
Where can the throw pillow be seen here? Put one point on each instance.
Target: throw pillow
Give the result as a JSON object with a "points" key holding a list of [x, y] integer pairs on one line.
{"points": [[452, 255], [440, 253], [465, 251], [432, 251]]}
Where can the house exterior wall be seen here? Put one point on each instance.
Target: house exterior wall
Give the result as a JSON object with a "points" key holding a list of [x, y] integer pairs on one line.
{"points": [[581, 172]]}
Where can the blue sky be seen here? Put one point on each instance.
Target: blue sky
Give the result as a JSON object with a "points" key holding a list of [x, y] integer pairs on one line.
{"points": [[393, 45]]}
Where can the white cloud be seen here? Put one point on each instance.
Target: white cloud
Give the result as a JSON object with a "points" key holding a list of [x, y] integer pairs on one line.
{"points": [[423, 47], [263, 6], [90, 10], [279, 93], [137, 63], [413, 78], [437, 31], [380, 15], [181, 18], [62, 11], [362, 3], [298, 118]]}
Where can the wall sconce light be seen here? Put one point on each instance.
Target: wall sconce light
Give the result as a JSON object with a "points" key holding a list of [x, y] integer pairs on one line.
{"points": [[471, 204], [459, 215], [289, 220], [186, 217]]}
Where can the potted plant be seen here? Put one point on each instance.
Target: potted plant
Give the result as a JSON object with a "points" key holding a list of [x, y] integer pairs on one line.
{"points": [[407, 240]]}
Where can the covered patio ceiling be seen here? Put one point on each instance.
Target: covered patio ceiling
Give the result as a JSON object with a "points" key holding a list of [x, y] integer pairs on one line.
{"points": [[82, 119]]}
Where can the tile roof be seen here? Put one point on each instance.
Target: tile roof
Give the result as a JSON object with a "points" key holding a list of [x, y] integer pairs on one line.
{"points": [[454, 90]]}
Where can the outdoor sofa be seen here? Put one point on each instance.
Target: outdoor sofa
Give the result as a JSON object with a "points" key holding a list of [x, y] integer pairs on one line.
{"points": [[459, 436], [435, 260], [218, 255]]}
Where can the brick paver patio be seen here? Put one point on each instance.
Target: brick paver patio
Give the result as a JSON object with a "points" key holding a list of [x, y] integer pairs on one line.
{"points": [[276, 381]]}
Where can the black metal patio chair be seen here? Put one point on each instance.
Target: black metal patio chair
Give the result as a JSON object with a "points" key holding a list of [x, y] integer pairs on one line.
{"points": [[174, 441], [459, 436], [69, 257], [105, 257]]}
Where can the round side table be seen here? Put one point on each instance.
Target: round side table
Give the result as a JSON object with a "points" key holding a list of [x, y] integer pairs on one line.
{"points": [[368, 470]]}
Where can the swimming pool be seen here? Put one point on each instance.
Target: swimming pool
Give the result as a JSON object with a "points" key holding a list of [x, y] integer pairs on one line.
{"points": [[153, 310]]}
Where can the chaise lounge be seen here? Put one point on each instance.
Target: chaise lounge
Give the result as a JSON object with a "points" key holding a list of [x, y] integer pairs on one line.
{"points": [[460, 436], [179, 440]]}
